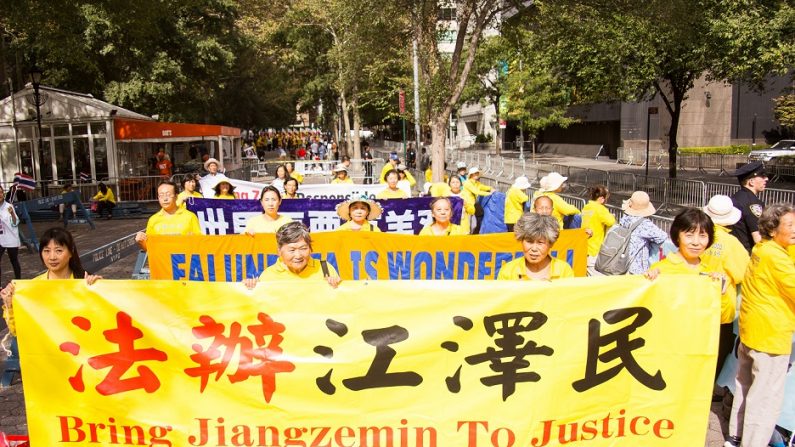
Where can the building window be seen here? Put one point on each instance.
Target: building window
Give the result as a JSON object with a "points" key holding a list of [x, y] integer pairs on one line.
{"points": [[448, 14]]}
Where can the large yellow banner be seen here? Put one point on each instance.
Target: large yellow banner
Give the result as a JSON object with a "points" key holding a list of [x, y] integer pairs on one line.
{"points": [[355, 255], [597, 362]]}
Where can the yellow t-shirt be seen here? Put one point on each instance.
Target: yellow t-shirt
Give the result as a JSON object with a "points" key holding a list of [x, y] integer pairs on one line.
{"points": [[340, 181], [225, 197], [313, 270], [260, 224], [182, 222], [473, 188], [297, 176], [675, 264], [560, 207], [183, 197], [516, 269], [107, 197], [514, 204], [452, 230], [598, 219], [728, 255], [767, 312], [389, 194], [348, 226]]}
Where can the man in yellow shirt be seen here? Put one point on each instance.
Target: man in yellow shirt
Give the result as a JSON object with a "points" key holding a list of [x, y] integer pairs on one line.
{"points": [[171, 219], [551, 185]]}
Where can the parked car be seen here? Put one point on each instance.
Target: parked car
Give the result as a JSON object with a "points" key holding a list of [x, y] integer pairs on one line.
{"points": [[784, 148]]}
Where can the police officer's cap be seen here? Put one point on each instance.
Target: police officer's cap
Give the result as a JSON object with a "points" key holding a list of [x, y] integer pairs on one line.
{"points": [[754, 169]]}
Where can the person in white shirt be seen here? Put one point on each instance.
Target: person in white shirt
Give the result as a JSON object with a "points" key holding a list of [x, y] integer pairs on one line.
{"points": [[9, 234]]}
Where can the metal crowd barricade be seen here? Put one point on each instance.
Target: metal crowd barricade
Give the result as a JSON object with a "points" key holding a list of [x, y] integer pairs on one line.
{"points": [[598, 177], [655, 187], [686, 192], [714, 188], [771, 195], [621, 183], [664, 223]]}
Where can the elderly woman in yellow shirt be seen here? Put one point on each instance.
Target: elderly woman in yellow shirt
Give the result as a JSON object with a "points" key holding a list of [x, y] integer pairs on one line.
{"points": [[391, 191], [767, 322], [295, 259], [358, 213], [537, 233], [550, 185], [442, 211], [515, 200], [693, 233]]}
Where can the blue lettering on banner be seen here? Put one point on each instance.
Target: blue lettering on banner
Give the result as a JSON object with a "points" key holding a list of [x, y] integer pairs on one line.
{"points": [[211, 267], [501, 258], [466, 265], [177, 260], [370, 263], [398, 267], [445, 270], [421, 258], [228, 268], [195, 272], [483, 268], [356, 259]]}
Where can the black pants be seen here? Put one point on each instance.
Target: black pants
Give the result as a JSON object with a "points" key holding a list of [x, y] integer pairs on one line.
{"points": [[13, 255], [510, 227], [725, 345], [104, 205]]}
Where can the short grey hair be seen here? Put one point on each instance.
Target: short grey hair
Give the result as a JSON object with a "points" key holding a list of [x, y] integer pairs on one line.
{"points": [[533, 227], [771, 218], [292, 232]]}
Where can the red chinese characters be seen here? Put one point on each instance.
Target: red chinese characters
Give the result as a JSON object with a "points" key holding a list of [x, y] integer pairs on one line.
{"points": [[257, 357], [120, 361]]}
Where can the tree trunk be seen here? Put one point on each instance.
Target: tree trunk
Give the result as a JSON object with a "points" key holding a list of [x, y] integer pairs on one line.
{"points": [[357, 125], [497, 130], [438, 129], [346, 131]]}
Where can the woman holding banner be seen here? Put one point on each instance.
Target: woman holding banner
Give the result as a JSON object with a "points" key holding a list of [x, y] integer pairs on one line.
{"points": [[538, 234], [456, 190], [295, 259], [188, 190], [58, 253], [767, 322], [693, 232], [392, 191], [442, 211], [357, 213], [270, 220]]}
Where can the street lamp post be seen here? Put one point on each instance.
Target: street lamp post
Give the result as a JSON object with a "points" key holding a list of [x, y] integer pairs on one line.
{"points": [[35, 79]]}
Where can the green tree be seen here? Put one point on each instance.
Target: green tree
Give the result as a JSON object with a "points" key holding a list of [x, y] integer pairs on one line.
{"points": [[785, 110], [617, 50]]}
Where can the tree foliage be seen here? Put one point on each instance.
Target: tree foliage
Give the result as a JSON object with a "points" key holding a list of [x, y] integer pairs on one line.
{"points": [[180, 59]]}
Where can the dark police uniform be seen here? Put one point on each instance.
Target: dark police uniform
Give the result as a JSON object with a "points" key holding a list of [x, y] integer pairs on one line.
{"points": [[749, 204]]}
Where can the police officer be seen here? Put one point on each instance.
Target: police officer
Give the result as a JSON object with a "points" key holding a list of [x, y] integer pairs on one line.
{"points": [[753, 181]]}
